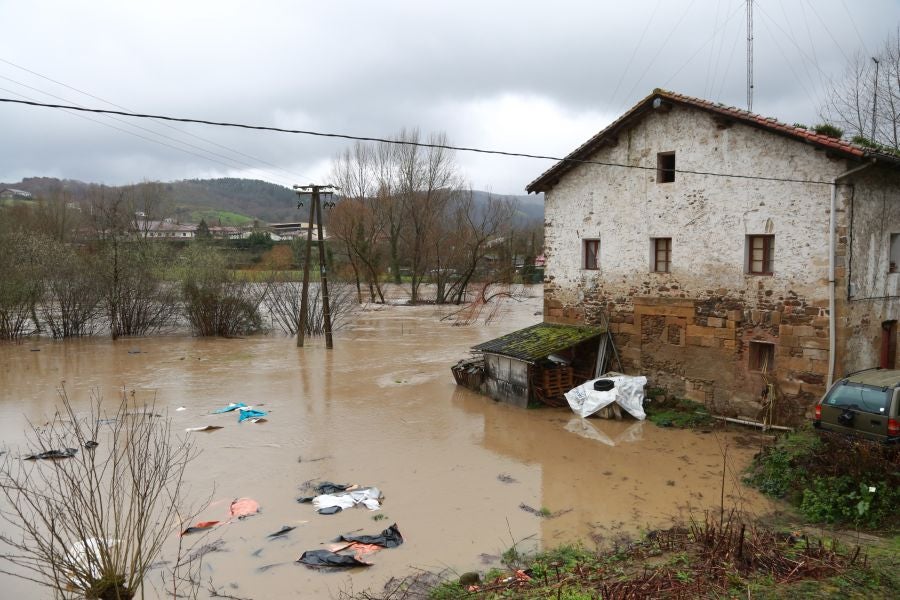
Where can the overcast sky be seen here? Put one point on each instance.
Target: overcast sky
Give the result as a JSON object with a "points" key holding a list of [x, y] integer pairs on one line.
{"points": [[534, 77]]}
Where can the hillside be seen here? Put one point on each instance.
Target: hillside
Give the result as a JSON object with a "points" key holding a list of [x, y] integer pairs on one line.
{"points": [[234, 201]]}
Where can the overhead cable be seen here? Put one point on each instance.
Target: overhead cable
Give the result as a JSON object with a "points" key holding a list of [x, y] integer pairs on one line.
{"points": [[345, 136]]}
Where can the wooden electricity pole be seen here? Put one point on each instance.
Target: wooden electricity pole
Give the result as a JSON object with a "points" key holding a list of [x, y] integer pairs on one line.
{"points": [[315, 219]]}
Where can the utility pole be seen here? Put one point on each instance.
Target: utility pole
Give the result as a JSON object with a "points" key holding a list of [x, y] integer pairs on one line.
{"points": [[874, 98], [315, 218], [323, 275]]}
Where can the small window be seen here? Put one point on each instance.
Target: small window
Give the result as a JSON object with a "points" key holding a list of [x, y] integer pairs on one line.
{"points": [[760, 254], [762, 357], [665, 167], [662, 254], [894, 266], [592, 254]]}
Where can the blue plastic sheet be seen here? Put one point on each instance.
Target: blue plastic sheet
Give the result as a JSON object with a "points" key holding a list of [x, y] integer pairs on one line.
{"points": [[250, 413], [229, 408]]}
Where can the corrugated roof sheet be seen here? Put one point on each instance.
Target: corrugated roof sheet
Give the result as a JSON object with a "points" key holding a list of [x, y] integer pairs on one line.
{"points": [[539, 341], [841, 147]]}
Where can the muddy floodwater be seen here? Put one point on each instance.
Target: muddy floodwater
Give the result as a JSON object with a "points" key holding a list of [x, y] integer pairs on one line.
{"points": [[381, 409]]}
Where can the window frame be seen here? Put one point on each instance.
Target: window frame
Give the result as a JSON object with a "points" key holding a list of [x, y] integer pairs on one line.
{"points": [[894, 253], [587, 243], [768, 254], [665, 173], [654, 254], [755, 357]]}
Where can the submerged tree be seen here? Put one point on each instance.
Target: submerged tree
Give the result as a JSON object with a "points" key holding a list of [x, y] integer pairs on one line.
{"points": [[130, 268], [71, 298], [20, 284], [282, 302], [215, 301], [92, 521]]}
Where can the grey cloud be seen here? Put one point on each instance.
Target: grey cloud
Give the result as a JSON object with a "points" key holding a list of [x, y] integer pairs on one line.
{"points": [[370, 68]]}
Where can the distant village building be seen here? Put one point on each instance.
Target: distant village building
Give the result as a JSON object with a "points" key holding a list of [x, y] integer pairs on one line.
{"points": [[293, 230], [166, 229], [749, 294], [10, 193]]}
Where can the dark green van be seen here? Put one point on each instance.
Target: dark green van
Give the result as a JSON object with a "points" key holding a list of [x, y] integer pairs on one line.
{"points": [[864, 404]]}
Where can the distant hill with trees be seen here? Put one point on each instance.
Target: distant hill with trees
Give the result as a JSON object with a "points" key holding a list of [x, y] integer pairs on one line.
{"points": [[233, 201]]}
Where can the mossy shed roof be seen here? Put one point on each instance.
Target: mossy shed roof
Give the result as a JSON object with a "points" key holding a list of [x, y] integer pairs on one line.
{"points": [[539, 341]]}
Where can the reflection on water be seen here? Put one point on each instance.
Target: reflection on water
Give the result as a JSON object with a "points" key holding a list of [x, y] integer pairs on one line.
{"points": [[597, 430], [382, 410]]}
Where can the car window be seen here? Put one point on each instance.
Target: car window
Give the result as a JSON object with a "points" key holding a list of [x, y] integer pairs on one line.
{"points": [[860, 397]]}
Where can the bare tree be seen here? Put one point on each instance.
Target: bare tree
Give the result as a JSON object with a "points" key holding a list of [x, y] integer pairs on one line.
{"points": [[147, 202], [356, 221], [389, 205], [136, 299], [92, 521], [282, 302], [57, 215], [427, 178], [20, 284], [70, 297], [850, 104], [215, 301], [476, 227]]}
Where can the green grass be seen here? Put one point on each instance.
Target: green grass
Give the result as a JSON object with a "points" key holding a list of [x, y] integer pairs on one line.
{"points": [[572, 572], [678, 412], [213, 217], [17, 202], [832, 479]]}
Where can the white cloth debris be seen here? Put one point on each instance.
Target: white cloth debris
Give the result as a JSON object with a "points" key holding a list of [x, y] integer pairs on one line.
{"points": [[628, 392], [87, 555], [369, 497]]}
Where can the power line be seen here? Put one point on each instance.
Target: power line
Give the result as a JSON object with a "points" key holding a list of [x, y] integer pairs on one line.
{"points": [[701, 47], [187, 133], [637, 46], [236, 162], [345, 136], [120, 129], [659, 51]]}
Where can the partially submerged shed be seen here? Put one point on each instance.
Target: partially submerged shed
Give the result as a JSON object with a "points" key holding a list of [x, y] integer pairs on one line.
{"points": [[517, 367]]}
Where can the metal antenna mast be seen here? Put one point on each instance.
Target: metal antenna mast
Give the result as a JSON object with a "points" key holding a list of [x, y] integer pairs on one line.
{"points": [[750, 55], [874, 98]]}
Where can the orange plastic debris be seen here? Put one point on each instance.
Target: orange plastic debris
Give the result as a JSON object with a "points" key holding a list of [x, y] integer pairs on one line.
{"points": [[202, 525], [244, 507]]}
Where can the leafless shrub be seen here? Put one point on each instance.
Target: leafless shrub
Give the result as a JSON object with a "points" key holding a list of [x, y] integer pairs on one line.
{"points": [[71, 298], [215, 301], [282, 301], [489, 304], [136, 299], [20, 286], [91, 525]]}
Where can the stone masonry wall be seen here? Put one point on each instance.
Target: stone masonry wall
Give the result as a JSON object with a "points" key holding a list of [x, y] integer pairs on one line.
{"points": [[872, 208], [692, 330]]}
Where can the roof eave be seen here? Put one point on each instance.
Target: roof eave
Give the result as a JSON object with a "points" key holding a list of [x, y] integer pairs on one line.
{"points": [[549, 178]]}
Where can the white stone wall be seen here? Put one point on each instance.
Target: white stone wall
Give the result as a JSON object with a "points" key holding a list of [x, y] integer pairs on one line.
{"points": [[691, 330], [872, 213], [706, 217]]}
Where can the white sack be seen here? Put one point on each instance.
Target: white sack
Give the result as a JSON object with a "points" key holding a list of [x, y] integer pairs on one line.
{"points": [[628, 392], [368, 497]]}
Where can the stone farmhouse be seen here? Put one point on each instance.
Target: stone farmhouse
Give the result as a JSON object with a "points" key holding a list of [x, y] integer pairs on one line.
{"points": [[741, 262]]}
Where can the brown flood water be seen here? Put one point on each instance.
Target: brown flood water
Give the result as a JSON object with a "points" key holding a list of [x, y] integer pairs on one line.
{"points": [[380, 409]]}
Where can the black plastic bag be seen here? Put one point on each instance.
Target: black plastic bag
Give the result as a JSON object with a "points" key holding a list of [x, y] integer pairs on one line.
{"points": [[389, 538], [326, 558]]}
